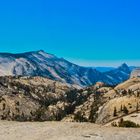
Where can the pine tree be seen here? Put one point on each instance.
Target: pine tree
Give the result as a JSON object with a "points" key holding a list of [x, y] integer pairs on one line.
{"points": [[121, 109], [137, 107], [115, 112], [125, 110]]}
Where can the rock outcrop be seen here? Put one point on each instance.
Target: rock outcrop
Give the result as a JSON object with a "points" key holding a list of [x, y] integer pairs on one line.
{"points": [[135, 73]]}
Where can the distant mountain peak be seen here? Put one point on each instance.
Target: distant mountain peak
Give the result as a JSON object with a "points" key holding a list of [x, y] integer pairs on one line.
{"points": [[124, 67], [41, 51]]}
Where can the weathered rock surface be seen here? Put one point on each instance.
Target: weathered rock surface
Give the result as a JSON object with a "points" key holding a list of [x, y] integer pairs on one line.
{"points": [[64, 131], [135, 73]]}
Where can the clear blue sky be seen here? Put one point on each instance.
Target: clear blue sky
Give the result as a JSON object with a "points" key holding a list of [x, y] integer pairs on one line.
{"points": [[88, 32]]}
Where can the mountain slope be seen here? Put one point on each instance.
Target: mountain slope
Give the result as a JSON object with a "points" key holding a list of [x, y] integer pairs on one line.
{"points": [[119, 74], [102, 102], [104, 69], [39, 63], [41, 99], [29, 99]]}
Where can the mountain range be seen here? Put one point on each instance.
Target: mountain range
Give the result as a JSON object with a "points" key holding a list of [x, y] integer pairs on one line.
{"points": [[40, 63]]}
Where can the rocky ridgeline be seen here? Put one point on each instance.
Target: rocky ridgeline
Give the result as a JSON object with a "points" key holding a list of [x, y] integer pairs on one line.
{"points": [[40, 63], [41, 99]]}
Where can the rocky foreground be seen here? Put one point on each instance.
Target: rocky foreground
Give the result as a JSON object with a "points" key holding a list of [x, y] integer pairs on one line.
{"points": [[63, 131]]}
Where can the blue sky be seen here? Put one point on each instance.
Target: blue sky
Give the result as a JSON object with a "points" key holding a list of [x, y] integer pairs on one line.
{"points": [[86, 32]]}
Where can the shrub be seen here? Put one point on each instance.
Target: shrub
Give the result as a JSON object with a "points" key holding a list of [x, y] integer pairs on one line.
{"points": [[79, 117], [114, 124], [128, 124]]}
